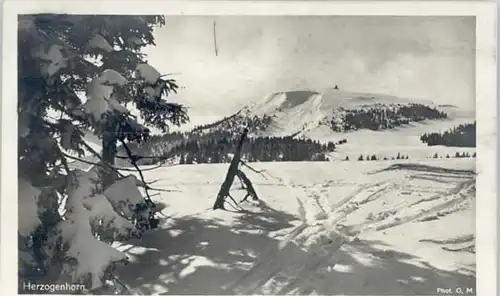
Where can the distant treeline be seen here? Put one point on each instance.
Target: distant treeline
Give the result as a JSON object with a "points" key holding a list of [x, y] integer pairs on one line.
{"points": [[371, 157], [463, 135], [383, 117], [220, 150], [233, 124], [374, 157], [218, 146], [457, 155]]}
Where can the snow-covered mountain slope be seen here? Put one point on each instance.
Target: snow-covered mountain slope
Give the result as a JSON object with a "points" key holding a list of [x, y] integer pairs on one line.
{"points": [[351, 228], [295, 112], [309, 113], [325, 101], [371, 123]]}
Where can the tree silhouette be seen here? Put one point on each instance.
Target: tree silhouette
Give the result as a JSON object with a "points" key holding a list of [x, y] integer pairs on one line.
{"points": [[463, 135], [382, 116], [216, 147]]}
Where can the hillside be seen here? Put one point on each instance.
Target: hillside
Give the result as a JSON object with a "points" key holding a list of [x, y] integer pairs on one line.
{"points": [[300, 112], [352, 228], [218, 147], [344, 124]]}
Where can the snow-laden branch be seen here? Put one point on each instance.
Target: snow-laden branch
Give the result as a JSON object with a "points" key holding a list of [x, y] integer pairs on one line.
{"points": [[88, 213], [148, 73]]}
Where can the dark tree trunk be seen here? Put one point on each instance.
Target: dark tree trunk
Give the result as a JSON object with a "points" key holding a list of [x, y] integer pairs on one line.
{"points": [[109, 141], [109, 147], [231, 173]]}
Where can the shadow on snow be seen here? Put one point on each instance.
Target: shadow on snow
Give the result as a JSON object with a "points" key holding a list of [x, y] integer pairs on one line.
{"points": [[206, 257], [425, 168]]}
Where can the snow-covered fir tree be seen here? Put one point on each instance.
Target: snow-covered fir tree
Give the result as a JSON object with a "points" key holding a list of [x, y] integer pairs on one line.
{"points": [[81, 73]]}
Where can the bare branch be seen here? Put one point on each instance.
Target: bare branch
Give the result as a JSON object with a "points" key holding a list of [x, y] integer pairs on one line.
{"points": [[69, 177], [105, 163], [80, 159], [134, 163], [144, 170], [132, 170], [115, 278], [91, 150], [158, 189], [248, 186], [254, 170], [154, 181], [138, 157], [248, 166], [64, 161], [100, 164], [235, 206]]}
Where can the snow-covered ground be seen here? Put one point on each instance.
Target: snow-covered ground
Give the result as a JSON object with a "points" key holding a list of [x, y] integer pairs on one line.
{"points": [[338, 227], [379, 227], [388, 143]]}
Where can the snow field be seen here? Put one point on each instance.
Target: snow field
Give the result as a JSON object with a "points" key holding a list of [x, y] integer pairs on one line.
{"points": [[382, 227]]}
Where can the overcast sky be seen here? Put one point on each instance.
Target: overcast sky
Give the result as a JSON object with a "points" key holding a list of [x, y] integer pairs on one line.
{"points": [[417, 57]]}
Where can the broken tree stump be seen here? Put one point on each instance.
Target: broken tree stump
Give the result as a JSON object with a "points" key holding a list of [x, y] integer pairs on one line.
{"points": [[231, 173]]}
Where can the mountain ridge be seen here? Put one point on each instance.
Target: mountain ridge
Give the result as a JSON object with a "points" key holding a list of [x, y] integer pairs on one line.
{"points": [[295, 112], [312, 125]]}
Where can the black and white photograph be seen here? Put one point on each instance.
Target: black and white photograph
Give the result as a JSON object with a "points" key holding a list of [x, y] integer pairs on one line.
{"points": [[247, 154]]}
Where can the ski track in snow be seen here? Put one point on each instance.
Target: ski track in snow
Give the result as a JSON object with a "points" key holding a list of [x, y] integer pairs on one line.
{"points": [[369, 231]]}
